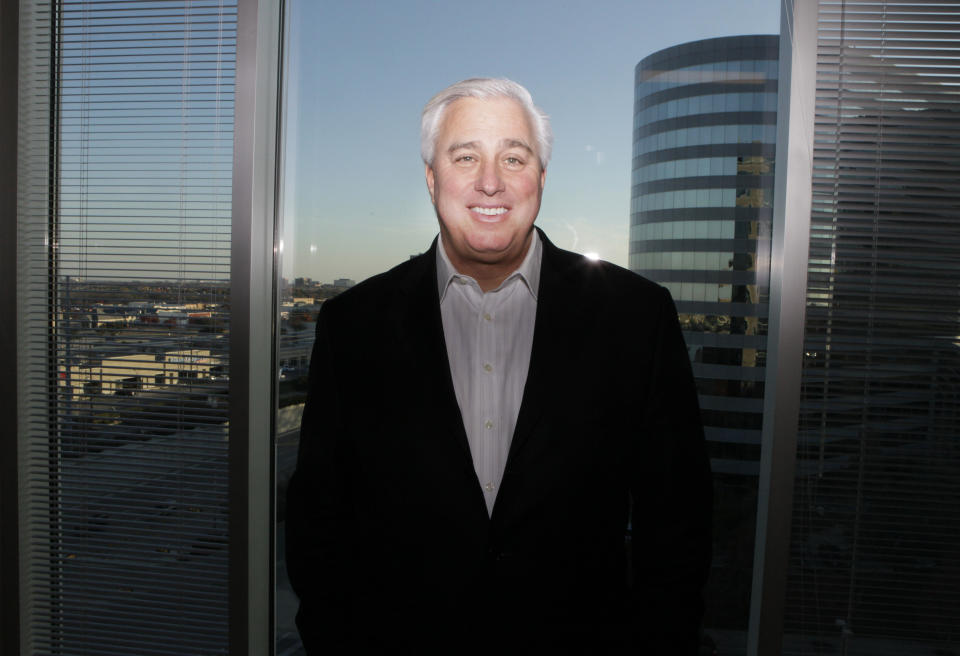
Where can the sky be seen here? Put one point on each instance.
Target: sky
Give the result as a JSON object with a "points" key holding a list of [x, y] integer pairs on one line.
{"points": [[354, 201]]}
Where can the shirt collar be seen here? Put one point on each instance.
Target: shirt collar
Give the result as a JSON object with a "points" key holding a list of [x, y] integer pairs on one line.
{"points": [[528, 271]]}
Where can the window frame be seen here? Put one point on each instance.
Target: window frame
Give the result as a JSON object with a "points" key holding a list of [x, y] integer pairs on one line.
{"points": [[9, 493], [253, 305], [788, 281]]}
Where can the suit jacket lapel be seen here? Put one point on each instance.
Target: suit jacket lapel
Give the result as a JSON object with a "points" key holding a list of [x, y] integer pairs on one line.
{"points": [[421, 332], [564, 314]]}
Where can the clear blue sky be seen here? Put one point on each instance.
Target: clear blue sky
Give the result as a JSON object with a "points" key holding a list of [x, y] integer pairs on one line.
{"points": [[359, 73]]}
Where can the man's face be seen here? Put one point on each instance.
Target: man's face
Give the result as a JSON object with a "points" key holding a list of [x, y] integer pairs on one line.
{"points": [[485, 183]]}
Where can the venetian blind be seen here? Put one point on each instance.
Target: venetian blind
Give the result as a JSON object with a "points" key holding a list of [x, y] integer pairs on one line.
{"points": [[125, 243], [876, 527]]}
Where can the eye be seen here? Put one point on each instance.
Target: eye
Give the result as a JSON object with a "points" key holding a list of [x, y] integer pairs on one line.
{"points": [[465, 158], [513, 162]]}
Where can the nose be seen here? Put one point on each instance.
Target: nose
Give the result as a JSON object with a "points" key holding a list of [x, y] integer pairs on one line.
{"points": [[488, 179]]}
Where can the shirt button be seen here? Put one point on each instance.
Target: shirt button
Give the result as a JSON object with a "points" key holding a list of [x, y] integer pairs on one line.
{"points": [[487, 317], [488, 424], [488, 487], [487, 367]]}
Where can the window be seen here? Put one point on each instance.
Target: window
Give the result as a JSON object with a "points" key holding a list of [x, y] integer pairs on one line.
{"points": [[873, 540], [140, 296], [354, 207], [131, 501]]}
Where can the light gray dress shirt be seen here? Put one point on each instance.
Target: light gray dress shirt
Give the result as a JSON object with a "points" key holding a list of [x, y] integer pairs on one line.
{"points": [[489, 337]]}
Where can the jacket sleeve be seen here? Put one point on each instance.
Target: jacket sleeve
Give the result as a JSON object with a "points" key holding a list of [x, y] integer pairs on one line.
{"points": [[319, 515], [672, 500]]}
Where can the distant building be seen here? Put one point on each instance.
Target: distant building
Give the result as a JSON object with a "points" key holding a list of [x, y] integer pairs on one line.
{"points": [[701, 209], [704, 142], [126, 375], [343, 283]]}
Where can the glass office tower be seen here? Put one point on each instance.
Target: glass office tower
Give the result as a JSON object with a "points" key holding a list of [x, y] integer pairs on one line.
{"points": [[704, 138]]}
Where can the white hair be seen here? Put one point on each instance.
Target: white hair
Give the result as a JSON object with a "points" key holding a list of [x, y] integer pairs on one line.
{"points": [[484, 88]]}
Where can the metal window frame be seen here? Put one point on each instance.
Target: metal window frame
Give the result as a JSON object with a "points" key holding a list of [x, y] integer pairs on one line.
{"points": [[253, 275], [9, 493], [788, 281]]}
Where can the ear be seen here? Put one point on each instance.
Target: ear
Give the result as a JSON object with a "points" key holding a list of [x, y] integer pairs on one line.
{"points": [[431, 180], [543, 178]]}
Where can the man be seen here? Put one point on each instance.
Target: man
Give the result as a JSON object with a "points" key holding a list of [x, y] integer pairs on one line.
{"points": [[484, 419]]}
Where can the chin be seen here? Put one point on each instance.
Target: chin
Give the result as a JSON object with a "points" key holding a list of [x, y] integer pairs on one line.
{"points": [[493, 246]]}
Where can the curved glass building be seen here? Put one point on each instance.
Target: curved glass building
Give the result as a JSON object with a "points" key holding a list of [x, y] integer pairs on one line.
{"points": [[704, 138]]}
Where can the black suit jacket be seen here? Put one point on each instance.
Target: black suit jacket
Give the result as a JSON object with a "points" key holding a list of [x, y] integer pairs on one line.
{"points": [[389, 545]]}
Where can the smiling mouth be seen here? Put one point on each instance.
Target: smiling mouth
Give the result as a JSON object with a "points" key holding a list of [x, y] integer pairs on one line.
{"points": [[489, 211]]}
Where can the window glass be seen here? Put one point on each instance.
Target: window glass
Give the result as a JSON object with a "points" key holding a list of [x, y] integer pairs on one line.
{"points": [[728, 102], [354, 201], [700, 260]]}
